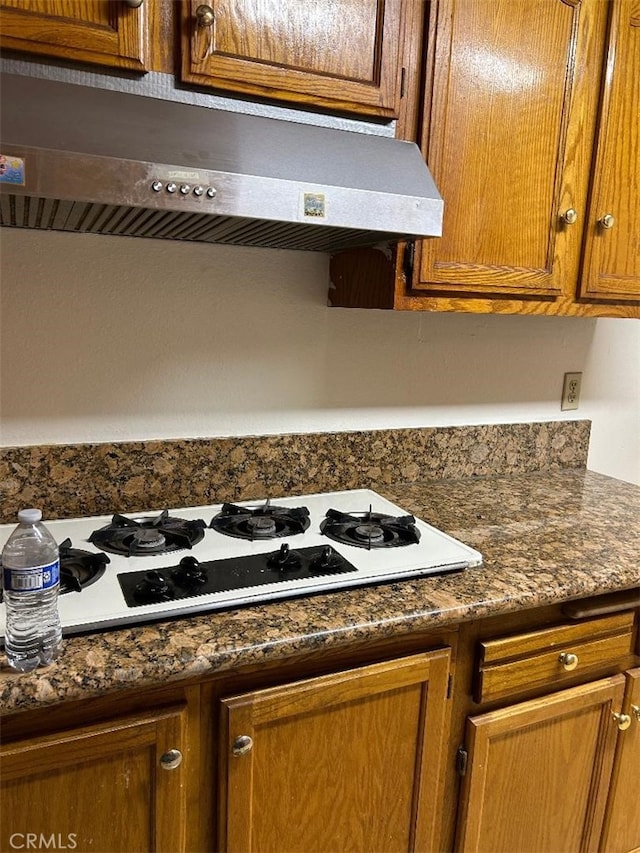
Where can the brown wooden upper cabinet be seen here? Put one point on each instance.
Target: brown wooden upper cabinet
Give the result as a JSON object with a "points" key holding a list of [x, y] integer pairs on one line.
{"points": [[534, 141], [110, 33], [531, 129], [611, 267], [336, 54]]}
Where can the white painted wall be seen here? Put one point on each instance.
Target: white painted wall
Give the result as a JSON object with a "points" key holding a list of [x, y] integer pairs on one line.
{"points": [[110, 339]]}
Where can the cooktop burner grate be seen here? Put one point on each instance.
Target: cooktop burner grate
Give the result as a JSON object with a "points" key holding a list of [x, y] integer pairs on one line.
{"points": [[370, 530], [78, 568], [267, 521], [150, 536]]}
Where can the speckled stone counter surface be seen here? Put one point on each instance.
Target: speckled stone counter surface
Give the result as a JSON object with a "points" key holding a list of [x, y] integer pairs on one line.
{"points": [[546, 537], [68, 481]]}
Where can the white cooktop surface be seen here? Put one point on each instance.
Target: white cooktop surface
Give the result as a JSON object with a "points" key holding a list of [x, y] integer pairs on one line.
{"points": [[102, 604]]}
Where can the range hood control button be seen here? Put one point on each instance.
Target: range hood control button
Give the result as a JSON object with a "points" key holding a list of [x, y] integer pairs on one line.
{"points": [[156, 186], [171, 187], [185, 189], [198, 190], [211, 192]]}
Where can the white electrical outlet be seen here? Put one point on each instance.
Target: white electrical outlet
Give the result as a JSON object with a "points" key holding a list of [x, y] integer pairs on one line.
{"points": [[571, 391]]}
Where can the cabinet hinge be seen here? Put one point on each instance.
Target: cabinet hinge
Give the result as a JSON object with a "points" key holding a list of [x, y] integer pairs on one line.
{"points": [[407, 262], [449, 686], [462, 757], [403, 78]]}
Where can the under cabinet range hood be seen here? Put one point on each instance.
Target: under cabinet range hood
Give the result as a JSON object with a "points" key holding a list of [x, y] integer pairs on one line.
{"points": [[85, 159]]}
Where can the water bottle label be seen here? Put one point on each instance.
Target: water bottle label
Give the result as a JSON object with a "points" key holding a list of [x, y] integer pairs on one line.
{"points": [[33, 579]]}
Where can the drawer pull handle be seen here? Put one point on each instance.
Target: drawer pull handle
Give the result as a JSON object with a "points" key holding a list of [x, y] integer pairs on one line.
{"points": [[568, 660], [623, 721]]}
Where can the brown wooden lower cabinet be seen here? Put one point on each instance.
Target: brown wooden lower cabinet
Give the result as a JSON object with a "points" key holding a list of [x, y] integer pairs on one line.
{"points": [[539, 772], [349, 761], [622, 821], [352, 749], [114, 786]]}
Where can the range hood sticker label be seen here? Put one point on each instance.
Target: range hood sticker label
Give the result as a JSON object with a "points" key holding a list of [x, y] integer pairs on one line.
{"points": [[313, 205], [12, 170]]}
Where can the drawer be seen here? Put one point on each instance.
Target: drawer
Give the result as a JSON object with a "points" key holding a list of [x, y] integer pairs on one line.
{"points": [[552, 656]]}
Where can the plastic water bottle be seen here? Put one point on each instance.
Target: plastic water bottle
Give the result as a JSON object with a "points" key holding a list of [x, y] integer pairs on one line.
{"points": [[31, 575]]}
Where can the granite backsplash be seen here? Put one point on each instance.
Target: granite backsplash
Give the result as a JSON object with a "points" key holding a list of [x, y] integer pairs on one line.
{"points": [[88, 479]]}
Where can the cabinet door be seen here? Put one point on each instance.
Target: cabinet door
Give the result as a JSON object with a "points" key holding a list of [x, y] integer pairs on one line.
{"points": [[342, 762], [339, 54], [622, 824], [100, 788], [107, 33], [612, 254], [539, 772], [513, 91]]}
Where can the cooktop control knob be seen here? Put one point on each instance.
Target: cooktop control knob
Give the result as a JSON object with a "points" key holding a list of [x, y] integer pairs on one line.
{"points": [[284, 560], [327, 560], [152, 588], [189, 572]]}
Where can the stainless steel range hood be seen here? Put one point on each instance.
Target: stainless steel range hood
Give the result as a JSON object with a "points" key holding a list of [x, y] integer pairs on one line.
{"points": [[91, 160]]}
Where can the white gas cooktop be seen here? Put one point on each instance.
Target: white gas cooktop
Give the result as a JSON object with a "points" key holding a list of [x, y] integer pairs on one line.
{"points": [[223, 571]]}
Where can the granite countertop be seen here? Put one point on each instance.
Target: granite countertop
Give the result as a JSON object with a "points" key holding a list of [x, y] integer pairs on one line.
{"points": [[546, 537]]}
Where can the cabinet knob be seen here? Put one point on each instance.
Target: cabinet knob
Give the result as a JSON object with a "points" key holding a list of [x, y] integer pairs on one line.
{"points": [[133, 4], [607, 221], [205, 16], [171, 759], [204, 33], [570, 216], [568, 660], [242, 744], [635, 710], [623, 721]]}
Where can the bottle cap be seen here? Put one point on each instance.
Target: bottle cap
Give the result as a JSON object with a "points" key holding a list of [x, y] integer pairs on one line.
{"points": [[29, 516]]}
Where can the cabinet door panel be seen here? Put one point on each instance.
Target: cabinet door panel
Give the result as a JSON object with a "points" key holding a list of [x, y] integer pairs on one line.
{"points": [[338, 762], [622, 825], [539, 772], [508, 142], [612, 255], [337, 53], [100, 787], [107, 33]]}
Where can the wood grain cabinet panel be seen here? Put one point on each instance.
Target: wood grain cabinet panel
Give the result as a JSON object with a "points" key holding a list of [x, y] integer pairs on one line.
{"points": [[500, 145], [508, 665], [99, 787], [612, 254], [539, 772], [106, 33], [350, 761], [622, 823], [520, 92], [338, 54], [530, 128]]}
